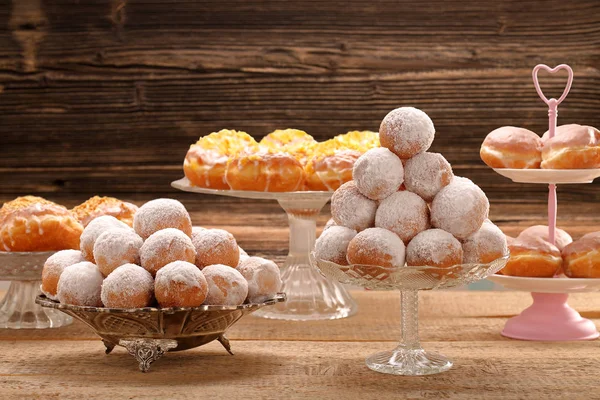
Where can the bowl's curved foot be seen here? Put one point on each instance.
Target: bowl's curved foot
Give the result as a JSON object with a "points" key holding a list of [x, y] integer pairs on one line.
{"points": [[146, 351], [109, 346], [225, 342]]}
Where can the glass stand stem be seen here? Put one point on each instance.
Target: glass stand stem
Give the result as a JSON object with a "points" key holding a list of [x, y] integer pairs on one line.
{"points": [[410, 320]]}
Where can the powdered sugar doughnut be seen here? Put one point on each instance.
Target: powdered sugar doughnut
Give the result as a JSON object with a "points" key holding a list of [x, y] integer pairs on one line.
{"points": [[435, 248], [128, 286], [333, 243], [226, 286], [378, 173], [406, 131], [263, 276], [484, 246], [216, 246], [94, 229], [80, 285], [376, 246], [426, 174], [460, 208], [352, 209], [330, 222], [403, 213], [53, 268], [161, 214], [116, 247], [243, 255], [165, 246], [180, 284]]}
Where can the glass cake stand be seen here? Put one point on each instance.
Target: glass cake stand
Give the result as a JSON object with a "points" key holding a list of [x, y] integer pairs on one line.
{"points": [[409, 358], [310, 296], [18, 309]]}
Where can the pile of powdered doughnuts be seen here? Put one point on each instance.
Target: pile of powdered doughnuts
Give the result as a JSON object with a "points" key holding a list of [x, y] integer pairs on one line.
{"points": [[404, 206], [159, 260], [286, 160], [532, 255], [572, 147]]}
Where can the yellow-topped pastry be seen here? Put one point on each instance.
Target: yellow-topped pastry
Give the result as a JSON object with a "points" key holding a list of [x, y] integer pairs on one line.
{"points": [[359, 140], [97, 206], [293, 141], [330, 165]]}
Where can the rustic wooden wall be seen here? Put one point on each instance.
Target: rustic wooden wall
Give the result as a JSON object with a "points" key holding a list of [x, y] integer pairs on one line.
{"points": [[104, 96]]}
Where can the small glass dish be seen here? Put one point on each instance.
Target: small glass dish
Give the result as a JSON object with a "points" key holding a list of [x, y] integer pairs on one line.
{"points": [[409, 358]]}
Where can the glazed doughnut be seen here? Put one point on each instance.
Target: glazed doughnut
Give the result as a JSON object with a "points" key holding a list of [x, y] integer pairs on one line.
{"points": [[94, 229], [351, 209], [116, 247], [160, 214], [333, 243], [561, 238], [512, 147], [98, 206], [426, 174], [378, 173], [377, 246], [35, 224], [576, 147], [80, 285], [263, 276], [460, 208], [485, 245], [180, 284], [533, 257], [265, 171], [164, 247], [406, 131], [559, 131], [206, 161], [128, 286], [216, 246], [293, 141], [226, 285], [53, 268], [581, 259], [362, 141], [434, 248], [330, 166], [403, 213]]}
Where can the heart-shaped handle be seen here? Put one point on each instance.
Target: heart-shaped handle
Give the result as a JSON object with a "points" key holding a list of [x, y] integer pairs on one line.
{"points": [[536, 82]]}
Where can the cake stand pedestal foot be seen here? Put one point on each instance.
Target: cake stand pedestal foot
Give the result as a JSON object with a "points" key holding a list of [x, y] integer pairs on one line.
{"points": [[146, 351], [225, 342], [109, 346], [550, 318]]}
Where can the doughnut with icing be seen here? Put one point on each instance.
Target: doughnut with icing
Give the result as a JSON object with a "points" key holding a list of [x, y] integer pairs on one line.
{"points": [[512, 147], [293, 141], [406, 131], [97, 206], [533, 257], [128, 286], [582, 257], [362, 141], [575, 147], [160, 214], [330, 165], [561, 238]]}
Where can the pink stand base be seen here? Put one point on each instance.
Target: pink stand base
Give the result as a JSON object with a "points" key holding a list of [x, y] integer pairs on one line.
{"points": [[550, 318]]}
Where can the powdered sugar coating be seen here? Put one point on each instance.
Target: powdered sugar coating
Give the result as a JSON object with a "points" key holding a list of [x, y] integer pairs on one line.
{"points": [[426, 174], [128, 286], [180, 284], [330, 222], [484, 246], [333, 244], [93, 230], [53, 268], [403, 213], [460, 208], [406, 131], [243, 255], [165, 246], [226, 286], [263, 276], [377, 246], [378, 173], [116, 247], [435, 248], [80, 285], [161, 214], [352, 209], [216, 246]]}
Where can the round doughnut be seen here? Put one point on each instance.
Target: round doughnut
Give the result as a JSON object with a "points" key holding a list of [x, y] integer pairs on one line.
{"points": [[94, 229], [533, 257], [35, 224], [53, 268], [329, 224], [292, 141], [243, 255], [216, 246], [160, 214], [206, 160], [128, 286], [330, 165], [226, 286], [561, 238], [406, 131], [460, 208], [333, 243], [426, 174], [377, 246], [180, 284], [434, 248], [359, 140], [263, 276], [352, 209], [484, 246], [378, 173], [509, 240], [512, 147], [582, 257], [116, 247], [165, 246], [559, 131], [576, 147], [403, 213], [265, 171], [98, 206], [80, 285]]}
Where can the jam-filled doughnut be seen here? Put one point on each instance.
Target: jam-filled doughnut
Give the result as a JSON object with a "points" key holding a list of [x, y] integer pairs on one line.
{"points": [[165, 246], [53, 268], [350, 208], [333, 244], [426, 174], [97, 206], [116, 247], [160, 214], [263, 276], [226, 285], [512, 147], [180, 284], [94, 229], [403, 213], [434, 248], [80, 285], [128, 286], [378, 173], [406, 131]]}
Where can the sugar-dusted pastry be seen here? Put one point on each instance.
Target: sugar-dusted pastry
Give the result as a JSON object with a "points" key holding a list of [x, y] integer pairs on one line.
{"points": [[80, 285], [97, 206], [164, 247], [406, 131], [330, 165], [330, 222], [352, 209], [378, 173], [94, 229], [426, 174], [116, 247], [575, 147], [333, 243], [292, 141], [35, 224], [484, 246], [582, 257], [378, 247], [160, 214], [180, 284], [512, 147], [533, 257], [53, 268], [434, 248], [561, 238], [226, 286], [215, 246], [403, 213], [263, 276], [128, 286]]}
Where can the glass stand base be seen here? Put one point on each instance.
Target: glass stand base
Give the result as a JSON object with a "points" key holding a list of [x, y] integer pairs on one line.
{"points": [[403, 361]]}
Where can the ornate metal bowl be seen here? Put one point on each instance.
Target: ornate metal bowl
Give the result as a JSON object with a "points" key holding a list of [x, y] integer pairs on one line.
{"points": [[149, 332]]}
